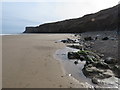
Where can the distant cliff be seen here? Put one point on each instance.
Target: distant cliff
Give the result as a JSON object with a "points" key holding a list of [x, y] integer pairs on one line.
{"points": [[103, 20]]}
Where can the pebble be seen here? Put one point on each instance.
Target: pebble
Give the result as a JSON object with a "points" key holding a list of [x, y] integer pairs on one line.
{"points": [[69, 74]]}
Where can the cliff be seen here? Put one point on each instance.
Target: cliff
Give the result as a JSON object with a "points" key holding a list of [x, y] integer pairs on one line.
{"points": [[103, 20]]}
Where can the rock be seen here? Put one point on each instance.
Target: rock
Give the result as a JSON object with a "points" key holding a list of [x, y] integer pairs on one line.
{"points": [[91, 71], [101, 55], [62, 76], [110, 60], [64, 41], [89, 59], [82, 58], [105, 38], [73, 55], [89, 65], [102, 65], [69, 74], [100, 76], [75, 35], [108, 74], [96, 38], [88, 38], [76, 62], [113, 38], [75, 46], [70, 40], [116, 70], [87, 45], [95, 80], [95, 56]]}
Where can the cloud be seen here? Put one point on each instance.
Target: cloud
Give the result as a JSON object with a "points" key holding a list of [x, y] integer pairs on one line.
{"points": [[96, 1]]}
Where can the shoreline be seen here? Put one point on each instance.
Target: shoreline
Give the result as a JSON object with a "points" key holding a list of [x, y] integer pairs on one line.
{"points": [[28, 62]]}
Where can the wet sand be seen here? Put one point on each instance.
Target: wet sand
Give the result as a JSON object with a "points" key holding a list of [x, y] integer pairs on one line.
{"points": [[28, 62]]}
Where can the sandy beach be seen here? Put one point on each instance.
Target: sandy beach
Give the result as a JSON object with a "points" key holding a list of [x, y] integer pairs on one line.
{"points": [[28, 62], [0, 62]]}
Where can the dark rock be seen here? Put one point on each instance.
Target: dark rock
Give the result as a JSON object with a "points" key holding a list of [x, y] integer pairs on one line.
{"points": [[75, 46], [100, 76], [89, 59], [61, 76], [110, 60], [105, 38], [76, 62], [71, 41], [89, 65], [88, 38], [102, 65], [75, 35], [101, 55], [88, 45], [95, 80], [73, 55], [91, 71], [116, 70], [107, 75], [96, 38], [68, 40], [64, 41], [82, 58]]}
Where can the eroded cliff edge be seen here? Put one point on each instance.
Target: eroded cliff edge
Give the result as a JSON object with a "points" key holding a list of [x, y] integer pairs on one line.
{"points": [[103, 20]]}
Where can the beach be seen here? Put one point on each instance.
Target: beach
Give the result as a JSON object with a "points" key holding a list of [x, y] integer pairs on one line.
{"points": [[0, 62], [28, 62], [42, 60]]}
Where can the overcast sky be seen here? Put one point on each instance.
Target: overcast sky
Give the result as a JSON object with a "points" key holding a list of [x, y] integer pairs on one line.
{"points": [[17, 14]]}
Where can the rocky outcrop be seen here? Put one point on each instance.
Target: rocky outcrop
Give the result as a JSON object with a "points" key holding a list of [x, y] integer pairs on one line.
{"points": [[95, 67], [103, 20]]}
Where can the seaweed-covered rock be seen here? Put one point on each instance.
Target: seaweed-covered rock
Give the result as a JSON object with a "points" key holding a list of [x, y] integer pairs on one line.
{"points": [[88, 56]]}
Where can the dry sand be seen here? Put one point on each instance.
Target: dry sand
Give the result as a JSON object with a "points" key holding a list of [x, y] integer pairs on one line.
{"points": [[0, 62], [28, 62]]}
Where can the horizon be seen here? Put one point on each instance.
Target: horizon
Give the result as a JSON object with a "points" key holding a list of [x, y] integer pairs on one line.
{"points": [[17, 15]]}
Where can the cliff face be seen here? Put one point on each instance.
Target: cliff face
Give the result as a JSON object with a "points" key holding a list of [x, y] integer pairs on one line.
{"points": [[103, 20]]}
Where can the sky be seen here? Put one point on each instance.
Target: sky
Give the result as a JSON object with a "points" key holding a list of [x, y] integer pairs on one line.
{"points": [[17, 14]]}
